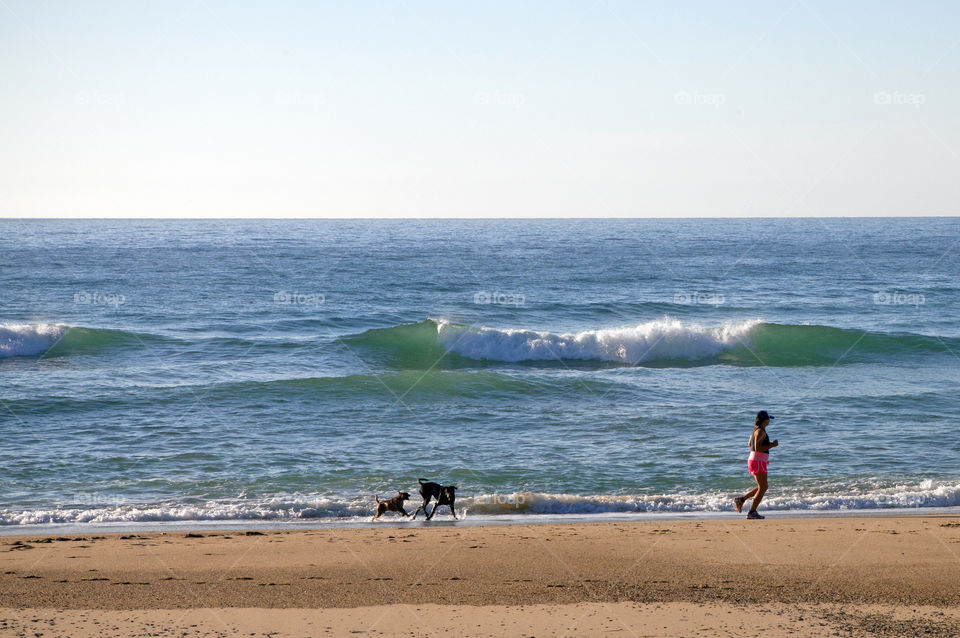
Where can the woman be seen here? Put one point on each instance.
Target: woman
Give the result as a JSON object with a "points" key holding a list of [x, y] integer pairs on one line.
{"points": [[757, 463]]}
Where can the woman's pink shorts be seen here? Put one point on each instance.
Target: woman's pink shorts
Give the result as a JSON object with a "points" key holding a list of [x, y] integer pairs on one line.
{"points": [[757, 463]]}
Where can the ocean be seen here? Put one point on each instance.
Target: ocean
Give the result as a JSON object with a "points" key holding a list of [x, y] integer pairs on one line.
{"points": [[291, 371]]}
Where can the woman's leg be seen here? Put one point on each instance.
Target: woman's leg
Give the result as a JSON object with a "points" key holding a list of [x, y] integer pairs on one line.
{"points": [[740, 500], [759, 491]]}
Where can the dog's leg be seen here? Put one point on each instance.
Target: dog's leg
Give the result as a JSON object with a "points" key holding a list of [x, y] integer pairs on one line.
{"points": [[426, 503]]}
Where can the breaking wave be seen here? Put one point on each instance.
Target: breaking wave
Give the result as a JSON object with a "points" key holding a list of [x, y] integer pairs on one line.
{"points": [[664, 342]]}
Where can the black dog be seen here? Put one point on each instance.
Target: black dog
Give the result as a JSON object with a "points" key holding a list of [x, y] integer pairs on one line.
{"points": [[443, 494]]}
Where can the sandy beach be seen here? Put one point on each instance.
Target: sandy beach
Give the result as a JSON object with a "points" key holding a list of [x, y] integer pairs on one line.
{"points": [[883, 576]]}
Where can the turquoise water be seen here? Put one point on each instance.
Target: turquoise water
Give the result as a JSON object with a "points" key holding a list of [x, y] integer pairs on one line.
{"points": [[213, 370]]}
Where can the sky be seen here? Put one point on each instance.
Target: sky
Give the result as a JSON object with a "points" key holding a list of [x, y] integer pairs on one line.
{"points": [[208, 108]]}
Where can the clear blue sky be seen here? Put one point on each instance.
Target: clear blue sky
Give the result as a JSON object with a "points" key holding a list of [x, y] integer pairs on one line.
{"points": [[535, 109]]}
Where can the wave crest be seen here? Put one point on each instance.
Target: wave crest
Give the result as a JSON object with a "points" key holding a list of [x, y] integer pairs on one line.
{"points": [[664, 339], [58, 339], [666, 342], [29, 339]]}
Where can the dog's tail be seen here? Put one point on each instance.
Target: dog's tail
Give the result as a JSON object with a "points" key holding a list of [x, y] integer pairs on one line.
{"points": [[377, 497], [422, 481]]}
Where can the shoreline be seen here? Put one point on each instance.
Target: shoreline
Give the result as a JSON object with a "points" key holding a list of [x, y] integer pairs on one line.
{"points": [[443, 520]]}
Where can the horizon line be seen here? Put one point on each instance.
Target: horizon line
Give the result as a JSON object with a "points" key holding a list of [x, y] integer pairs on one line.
{"points": [[472, 218]]}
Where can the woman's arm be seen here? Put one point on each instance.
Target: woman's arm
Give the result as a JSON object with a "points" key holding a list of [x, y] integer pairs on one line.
{"points": [[766, 448]]}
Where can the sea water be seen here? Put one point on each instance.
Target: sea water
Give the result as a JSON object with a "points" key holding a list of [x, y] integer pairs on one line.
{"points": [[293, 370]]}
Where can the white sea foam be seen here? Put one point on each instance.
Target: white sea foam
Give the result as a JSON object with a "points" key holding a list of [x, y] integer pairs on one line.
{"points": [[655, 340], [923, 494], [28, 339], [278, 508], [926, 494]]}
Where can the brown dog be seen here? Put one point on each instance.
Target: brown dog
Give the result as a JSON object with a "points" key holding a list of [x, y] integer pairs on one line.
{"points": [[395, 504]]}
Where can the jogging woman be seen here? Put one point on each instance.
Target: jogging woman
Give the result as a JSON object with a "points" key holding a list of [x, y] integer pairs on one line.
{"points": [[757, 463]]}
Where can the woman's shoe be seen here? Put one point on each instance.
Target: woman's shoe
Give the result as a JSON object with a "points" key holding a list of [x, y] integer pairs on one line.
{"points": [[738, 503], [753, 514]]}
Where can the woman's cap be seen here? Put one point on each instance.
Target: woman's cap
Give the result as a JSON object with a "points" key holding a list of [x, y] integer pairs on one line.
{"points": [[763, 416]]}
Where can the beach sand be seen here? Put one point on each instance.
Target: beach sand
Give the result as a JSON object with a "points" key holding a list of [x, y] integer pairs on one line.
{"points": [[778, 577]]}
